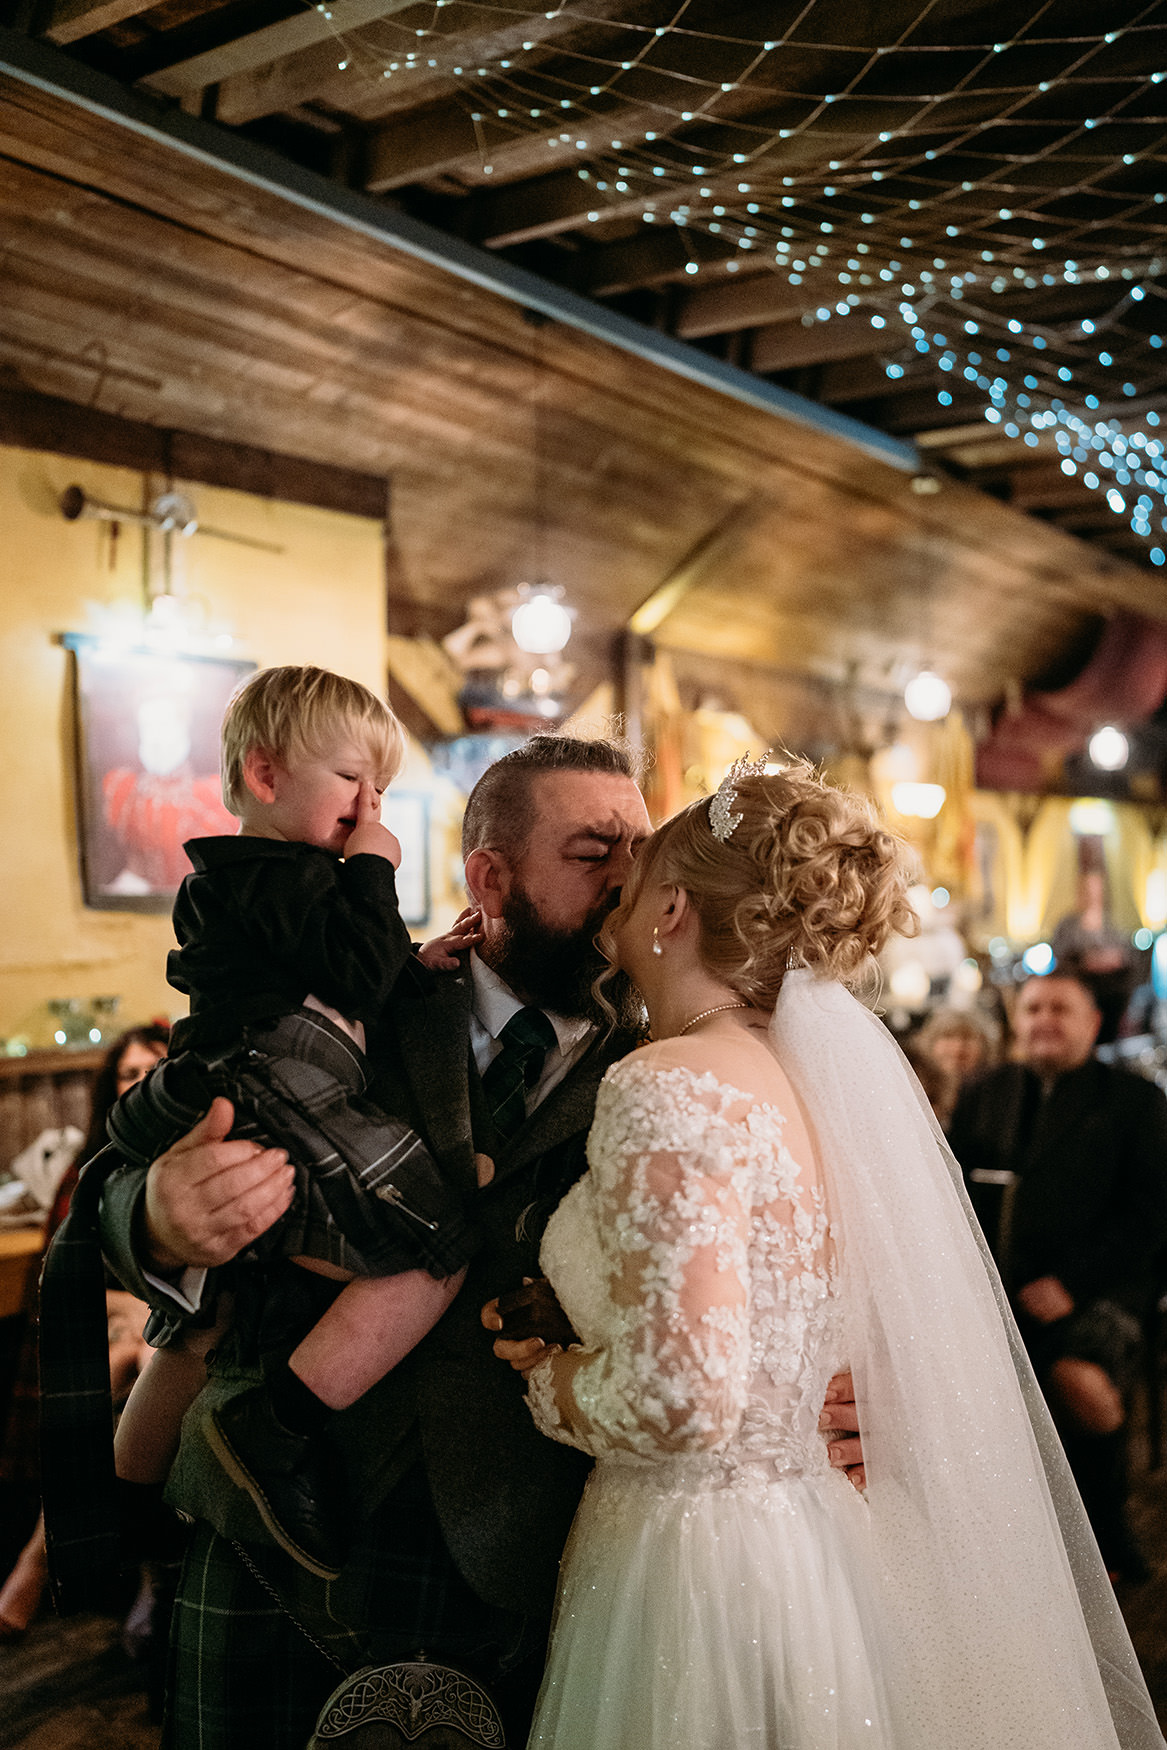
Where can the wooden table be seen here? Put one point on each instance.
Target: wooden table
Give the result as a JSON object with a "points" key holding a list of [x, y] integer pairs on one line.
{"points": [[20, 1250]]}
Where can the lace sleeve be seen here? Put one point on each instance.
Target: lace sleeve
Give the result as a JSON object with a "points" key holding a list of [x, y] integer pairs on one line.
{"points": [[670, 1179]]}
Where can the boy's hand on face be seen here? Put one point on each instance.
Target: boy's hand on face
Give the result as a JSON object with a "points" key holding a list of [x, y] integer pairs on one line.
{"points": [[441, 955], [368, 837]]}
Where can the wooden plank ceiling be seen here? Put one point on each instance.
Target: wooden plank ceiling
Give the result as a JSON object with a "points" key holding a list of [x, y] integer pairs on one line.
{"points": [[940, 219]]}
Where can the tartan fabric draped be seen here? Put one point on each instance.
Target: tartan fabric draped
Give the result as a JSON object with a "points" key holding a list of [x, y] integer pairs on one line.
{"points": [[77, 1475]]}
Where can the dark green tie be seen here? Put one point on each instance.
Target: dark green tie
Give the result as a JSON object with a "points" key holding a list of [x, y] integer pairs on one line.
{"points": [[526, 1040]]}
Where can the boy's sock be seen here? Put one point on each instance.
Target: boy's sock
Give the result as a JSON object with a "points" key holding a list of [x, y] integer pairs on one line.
{"points": [[296, 1405]]}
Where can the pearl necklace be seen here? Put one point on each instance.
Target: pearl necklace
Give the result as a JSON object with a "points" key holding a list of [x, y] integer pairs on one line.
{"points": [[705, 1014]]}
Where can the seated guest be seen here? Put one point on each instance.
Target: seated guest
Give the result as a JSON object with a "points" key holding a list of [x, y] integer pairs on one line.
{"points": [[1066, 1162], [950, 1048], [939, 1084]]}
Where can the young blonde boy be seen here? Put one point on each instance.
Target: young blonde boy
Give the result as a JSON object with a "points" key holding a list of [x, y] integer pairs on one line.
{"points": [[290, 942]]}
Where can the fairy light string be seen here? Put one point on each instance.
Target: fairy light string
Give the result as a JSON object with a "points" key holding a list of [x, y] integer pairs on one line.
{"points": [[663, 123]]}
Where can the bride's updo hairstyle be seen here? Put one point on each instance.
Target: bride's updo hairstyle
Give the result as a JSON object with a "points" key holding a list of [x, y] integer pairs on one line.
{"points": [[808, 877]]}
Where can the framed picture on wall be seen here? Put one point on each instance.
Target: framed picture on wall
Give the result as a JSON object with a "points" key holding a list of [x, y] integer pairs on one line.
{"points": [[147, 772], [407, 814]]}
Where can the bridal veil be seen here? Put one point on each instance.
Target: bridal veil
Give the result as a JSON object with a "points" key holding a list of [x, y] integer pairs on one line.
{"points": [[999, 1611]]}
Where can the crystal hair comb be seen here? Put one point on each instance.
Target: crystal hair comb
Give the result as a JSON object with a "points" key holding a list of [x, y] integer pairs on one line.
{"points": [[722, 820]]}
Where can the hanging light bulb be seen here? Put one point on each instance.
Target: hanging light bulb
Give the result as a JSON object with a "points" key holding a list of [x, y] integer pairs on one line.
{"points": [[541, 625], [918, 801], [927, 697], [1109, 749]]}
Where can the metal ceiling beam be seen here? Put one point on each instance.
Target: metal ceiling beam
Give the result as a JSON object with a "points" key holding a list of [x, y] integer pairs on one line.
{"points": [[38, 65]]}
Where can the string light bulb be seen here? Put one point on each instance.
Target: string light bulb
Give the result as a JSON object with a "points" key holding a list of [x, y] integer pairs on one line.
{"points": [[1109, 749]]}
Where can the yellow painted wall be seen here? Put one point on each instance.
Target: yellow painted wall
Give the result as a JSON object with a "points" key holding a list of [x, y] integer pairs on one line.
{"points": [[319, 601]]}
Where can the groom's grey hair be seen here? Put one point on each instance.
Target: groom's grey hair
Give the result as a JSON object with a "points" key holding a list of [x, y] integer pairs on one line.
{"points": [[499, 816]]}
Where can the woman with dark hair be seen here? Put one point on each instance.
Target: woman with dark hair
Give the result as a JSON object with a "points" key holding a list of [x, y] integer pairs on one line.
{"points": [[768, 1200], [128, 1060]]}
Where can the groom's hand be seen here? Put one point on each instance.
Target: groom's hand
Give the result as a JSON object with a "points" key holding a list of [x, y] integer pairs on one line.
{"points": [[840, 1415], [207, 1197], [525, 1351]]}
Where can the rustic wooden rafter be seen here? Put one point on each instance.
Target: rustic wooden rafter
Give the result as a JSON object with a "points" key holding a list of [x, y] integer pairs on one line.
{"points": [[260, 48], [72, 20]]}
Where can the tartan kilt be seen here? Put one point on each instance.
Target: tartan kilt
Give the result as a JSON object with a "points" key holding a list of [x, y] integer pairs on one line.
{"points": [[243, 1676]]}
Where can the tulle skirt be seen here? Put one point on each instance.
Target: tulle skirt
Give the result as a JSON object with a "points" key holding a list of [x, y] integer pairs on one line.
{"points": [[723, 1618]]}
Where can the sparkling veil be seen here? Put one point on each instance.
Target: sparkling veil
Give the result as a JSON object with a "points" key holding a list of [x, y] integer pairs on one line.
{"points": [[1002, 1623]]}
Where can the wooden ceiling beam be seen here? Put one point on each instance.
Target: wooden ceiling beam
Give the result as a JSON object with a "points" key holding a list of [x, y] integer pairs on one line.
{"points": [[1049, 498], [647, 99], [45, 422], [852, 380], [783, 346], [397, 157], [312, 74], [266, 48], [741, 303], [544, 207], [71, 20], [657, 254], [417, 147]]}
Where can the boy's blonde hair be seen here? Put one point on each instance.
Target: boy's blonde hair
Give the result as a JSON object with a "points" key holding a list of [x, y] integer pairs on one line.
{"points": [[297, 712]]}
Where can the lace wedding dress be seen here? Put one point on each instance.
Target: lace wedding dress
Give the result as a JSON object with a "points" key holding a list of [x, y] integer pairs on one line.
{"points": [[723, 1588], [715, 1588]]}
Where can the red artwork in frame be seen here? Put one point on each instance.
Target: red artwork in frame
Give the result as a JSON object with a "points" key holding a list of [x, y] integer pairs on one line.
{"points": [[147, 767]]}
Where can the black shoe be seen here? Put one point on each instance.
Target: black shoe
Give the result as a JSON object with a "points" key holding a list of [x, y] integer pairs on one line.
{"points": [[293, 1479]]}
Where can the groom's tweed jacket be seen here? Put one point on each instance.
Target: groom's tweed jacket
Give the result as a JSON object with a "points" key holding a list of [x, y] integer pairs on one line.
{"points": [[504, 1495]]}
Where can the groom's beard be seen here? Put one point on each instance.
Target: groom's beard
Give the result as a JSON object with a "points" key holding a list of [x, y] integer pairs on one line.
{"points": [[555, 969]]}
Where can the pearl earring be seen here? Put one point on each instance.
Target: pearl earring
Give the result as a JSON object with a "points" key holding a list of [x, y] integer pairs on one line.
{"points": [[656, 947]]}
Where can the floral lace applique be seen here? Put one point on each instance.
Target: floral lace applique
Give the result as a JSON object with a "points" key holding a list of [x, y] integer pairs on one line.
{"points": [[694, 1260]]}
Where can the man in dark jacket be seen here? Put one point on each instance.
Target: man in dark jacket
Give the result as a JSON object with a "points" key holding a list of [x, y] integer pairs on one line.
{"points": [[1066, 1162], [466, 1506]]}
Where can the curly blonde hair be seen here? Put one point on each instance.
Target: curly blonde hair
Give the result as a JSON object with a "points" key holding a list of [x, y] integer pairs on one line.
{"points": [[809, 877]]}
